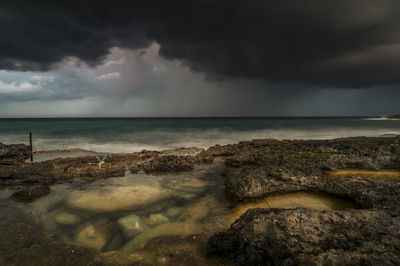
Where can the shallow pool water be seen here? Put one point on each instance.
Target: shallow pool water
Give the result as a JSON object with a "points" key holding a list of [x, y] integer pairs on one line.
{"points": [[138, 212], [362, 173]]}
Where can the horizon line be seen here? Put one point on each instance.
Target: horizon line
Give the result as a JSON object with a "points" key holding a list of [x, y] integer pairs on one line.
{"points": [[168, 117]]}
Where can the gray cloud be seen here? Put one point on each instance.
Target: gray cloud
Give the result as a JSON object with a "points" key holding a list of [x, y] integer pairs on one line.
{"points": [[343, 43]]}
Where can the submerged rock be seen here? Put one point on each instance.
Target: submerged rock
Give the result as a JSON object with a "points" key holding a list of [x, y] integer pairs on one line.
{"points": [[22, 242], [157, 218], [132, 225], [115, 243], [30, 194], [117, 198], [65, 218], [166, 229], [91, 237], [164, 250], [174, 211]]}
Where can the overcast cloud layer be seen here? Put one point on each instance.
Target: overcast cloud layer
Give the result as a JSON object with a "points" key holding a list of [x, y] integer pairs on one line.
{"points": [[199, 58], [343, 43]]}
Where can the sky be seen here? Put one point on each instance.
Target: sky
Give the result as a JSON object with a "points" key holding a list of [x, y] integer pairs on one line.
{"points": [[199, 58]]}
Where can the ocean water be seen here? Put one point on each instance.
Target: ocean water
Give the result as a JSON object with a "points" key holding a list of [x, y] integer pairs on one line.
{"points": [[123, 135]]}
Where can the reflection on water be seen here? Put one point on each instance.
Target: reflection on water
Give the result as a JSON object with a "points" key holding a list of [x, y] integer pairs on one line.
{"points": [[139, 214], [124, 213], [382, 174], [315, 200]]}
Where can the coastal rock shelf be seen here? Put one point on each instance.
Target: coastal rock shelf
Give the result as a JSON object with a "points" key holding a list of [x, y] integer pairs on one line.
{"points": [[92, 167], [290, 202], [13, 154], [310, 237]]}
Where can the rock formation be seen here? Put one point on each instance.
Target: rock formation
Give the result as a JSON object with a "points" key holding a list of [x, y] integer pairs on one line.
{"points": [[299, 236], [13, 154]]}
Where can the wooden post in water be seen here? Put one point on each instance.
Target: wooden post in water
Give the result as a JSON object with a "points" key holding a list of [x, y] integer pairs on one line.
{"points": [[30, 145]]}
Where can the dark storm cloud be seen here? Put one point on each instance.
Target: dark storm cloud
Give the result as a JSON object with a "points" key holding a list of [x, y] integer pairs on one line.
{"points": [[343, 43]]}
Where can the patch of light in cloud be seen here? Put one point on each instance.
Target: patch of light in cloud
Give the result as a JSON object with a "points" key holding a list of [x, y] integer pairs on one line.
{"points": [[110, 76], [17, 87], [40, 78], [114, 63]]}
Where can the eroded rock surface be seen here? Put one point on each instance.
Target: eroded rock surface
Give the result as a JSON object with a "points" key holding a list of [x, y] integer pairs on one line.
{"points": [[369, 236], [117, 198], [13, 154], [92, 167], [22, 242], [310, 237], [31, 193]]}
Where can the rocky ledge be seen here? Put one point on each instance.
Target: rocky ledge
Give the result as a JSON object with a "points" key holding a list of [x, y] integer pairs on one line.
{"points": [[92, 167], [393, 117], [31, 193], [368, 236], [13, 154]]}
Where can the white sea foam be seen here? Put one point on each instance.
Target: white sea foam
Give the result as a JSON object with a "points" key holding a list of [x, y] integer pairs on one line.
{"points": [[202, 138], [381, 119]]}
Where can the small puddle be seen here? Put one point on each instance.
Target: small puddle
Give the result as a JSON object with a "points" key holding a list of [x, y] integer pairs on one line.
{"points": [[141, 214], [361, 173], [313, 200]]}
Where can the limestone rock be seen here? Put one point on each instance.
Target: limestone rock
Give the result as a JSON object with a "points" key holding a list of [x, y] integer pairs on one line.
{"points": [[174, 211], [309, 237], [261, 168], [157, 218], [65, 218], [91, 237], [117, 198], [175, 228], [14, 153], [132, 225], [32, 193]]}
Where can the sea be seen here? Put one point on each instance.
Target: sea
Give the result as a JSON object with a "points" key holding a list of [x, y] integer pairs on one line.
{"points": [[125, 135]]}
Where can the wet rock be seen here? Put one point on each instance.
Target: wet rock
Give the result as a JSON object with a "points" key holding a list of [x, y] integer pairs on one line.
{"points": [[197, 210], [91, 237], [14, 154], [115, 243], [22, 242], [117, 198], [157, 218], [174, 211], [165, 250], [92, 167], [132, 225], [168, 163], [192, 151], [166, 229], [30, 194], [184, 196], [304, 236], [309, 237], [395, 117], [65, 218]]}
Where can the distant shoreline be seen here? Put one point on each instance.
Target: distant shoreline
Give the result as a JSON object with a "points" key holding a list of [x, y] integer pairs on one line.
{"points": [[393, 117]]}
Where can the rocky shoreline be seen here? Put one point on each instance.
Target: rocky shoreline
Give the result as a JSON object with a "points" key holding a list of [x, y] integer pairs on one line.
{"points": [[393, 117], [369, 236], [256, 169]]}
